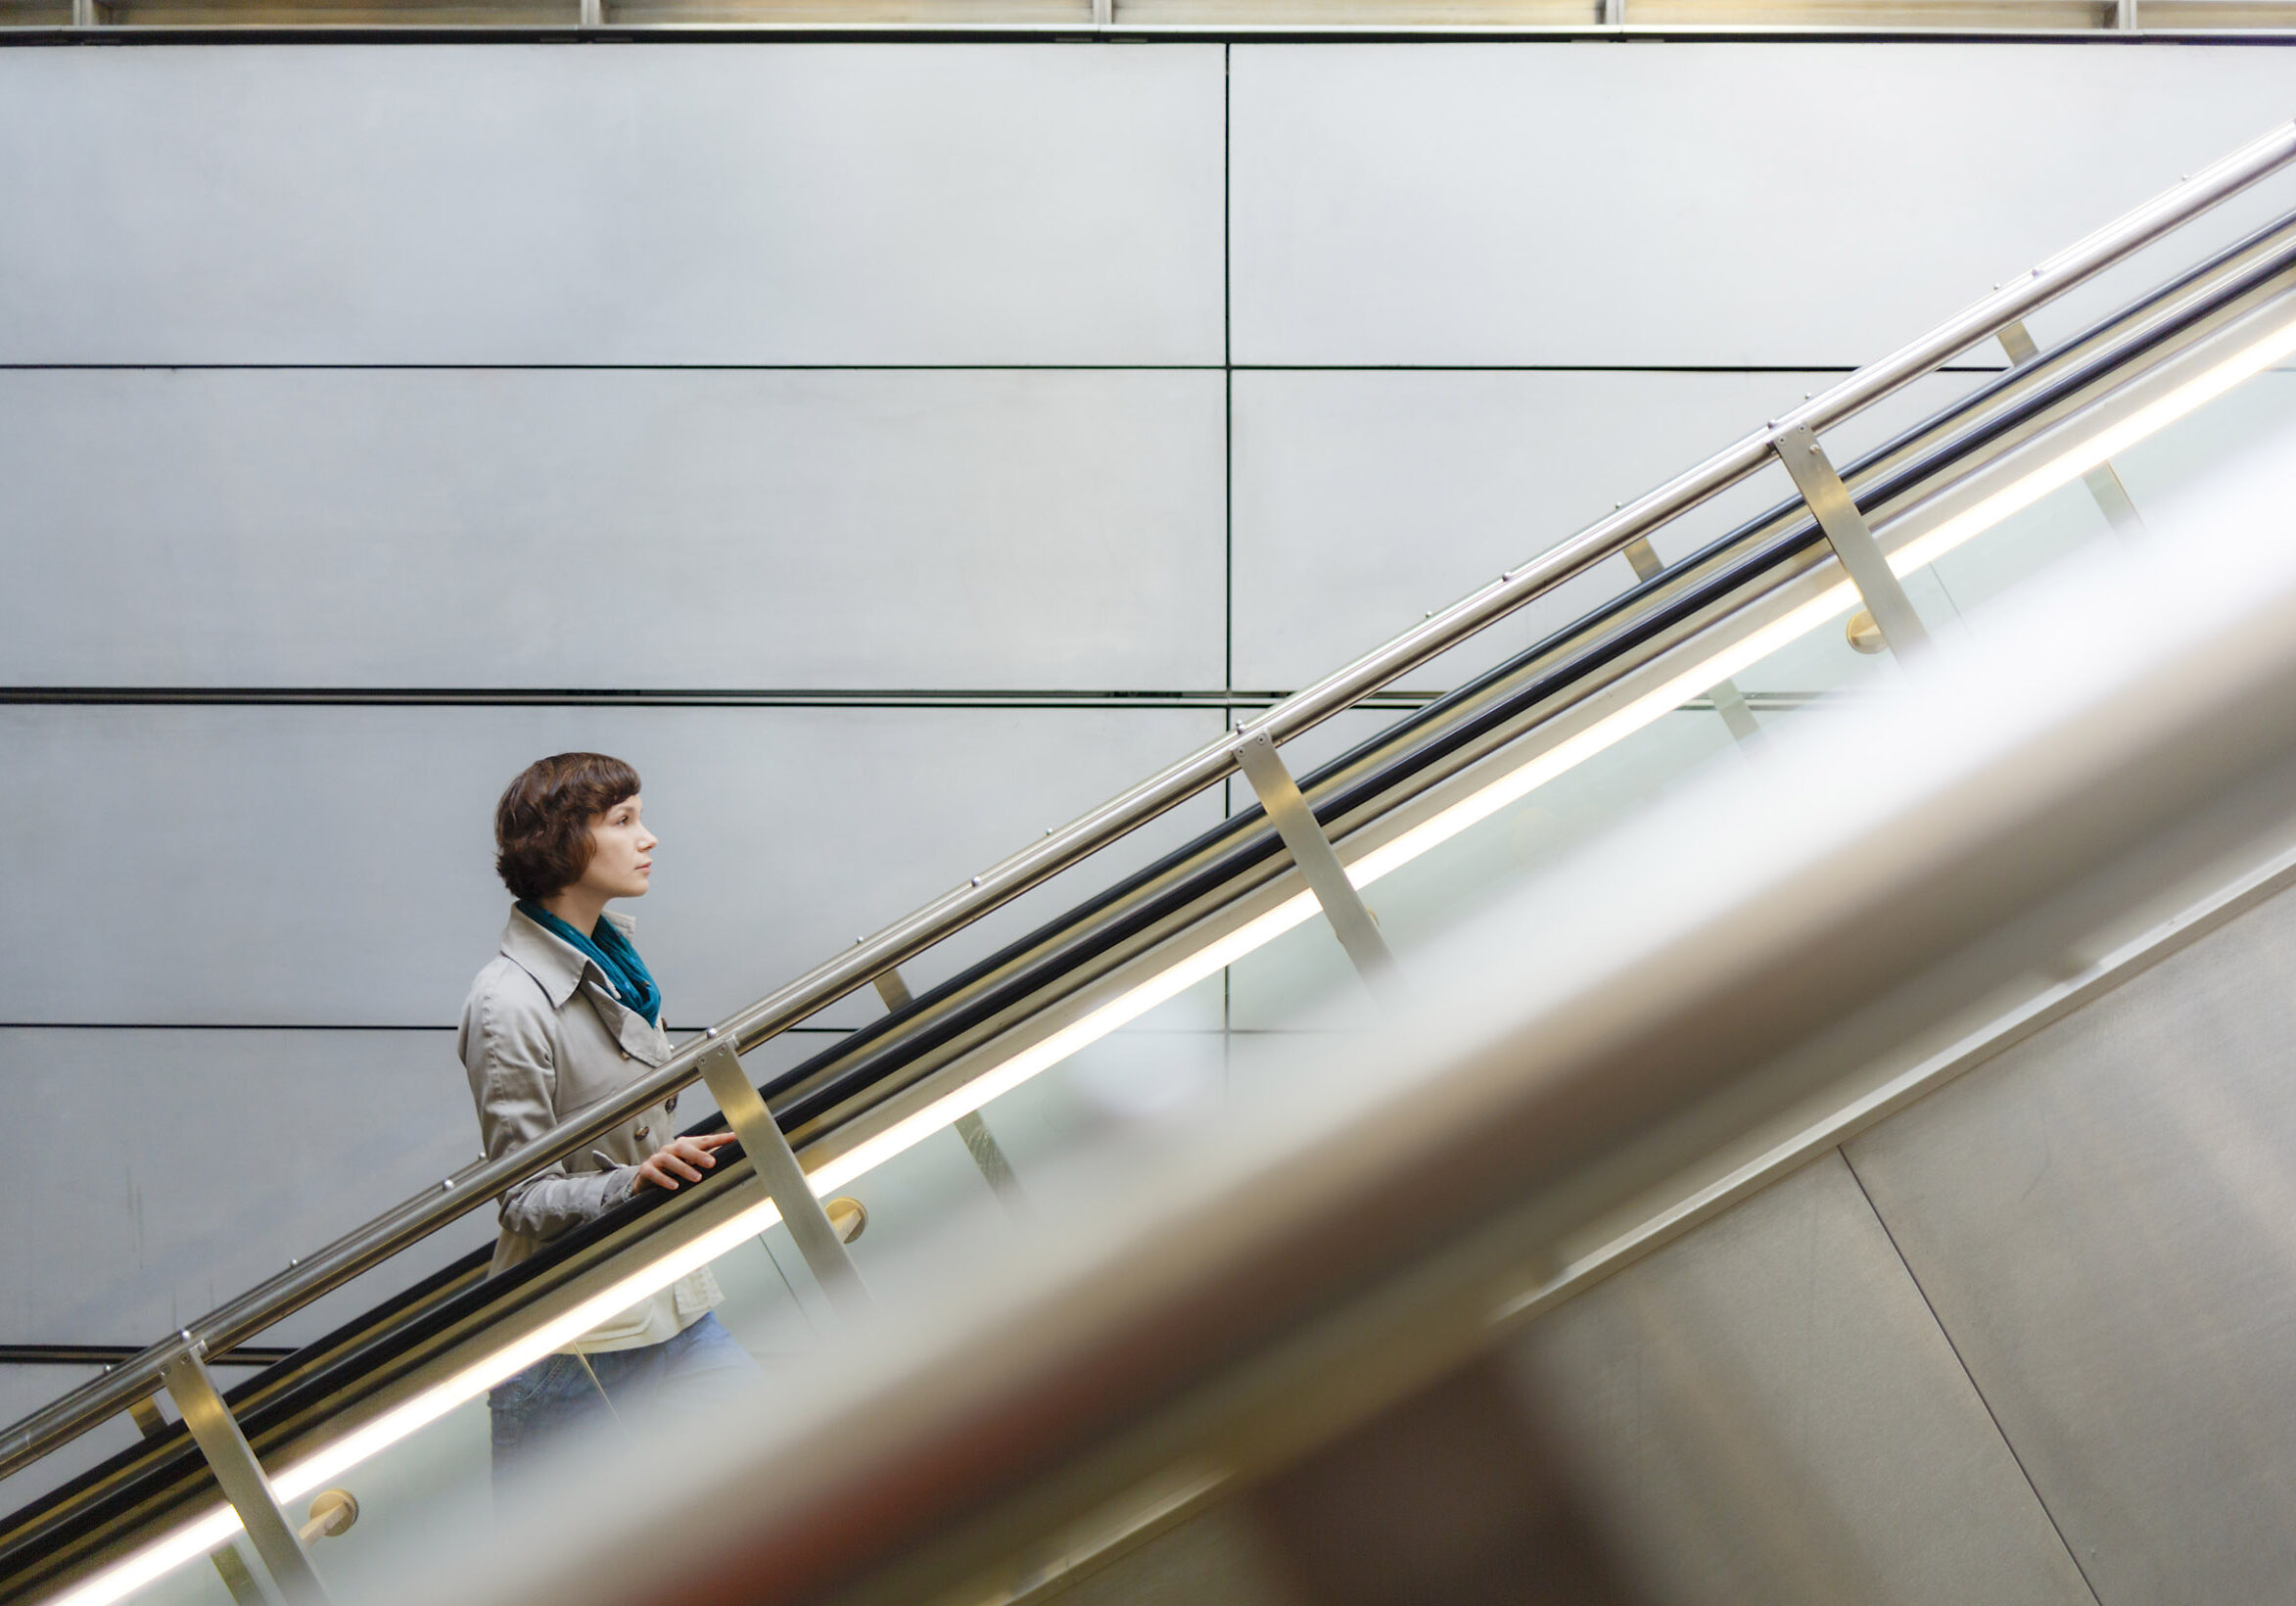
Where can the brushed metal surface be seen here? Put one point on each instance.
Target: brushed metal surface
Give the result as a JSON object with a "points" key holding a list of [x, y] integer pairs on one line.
{"points": [[1821, 486], [559, 530], [1311, 850], [686, 203], [1767, 1412], [337, 864], [245, 1483], [2103, 1221], [1495, 203]]}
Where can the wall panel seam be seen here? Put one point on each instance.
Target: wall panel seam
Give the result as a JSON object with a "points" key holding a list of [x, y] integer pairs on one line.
{"points": [[1975, 1387], [163, 366], [1216, 699]]}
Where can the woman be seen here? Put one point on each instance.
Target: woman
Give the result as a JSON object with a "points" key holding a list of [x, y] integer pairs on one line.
{"points": [[565, 1015]]}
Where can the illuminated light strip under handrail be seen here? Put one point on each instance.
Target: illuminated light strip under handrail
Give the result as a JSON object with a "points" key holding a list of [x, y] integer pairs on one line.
{"points": [[203, 1534], [2078, 458]]}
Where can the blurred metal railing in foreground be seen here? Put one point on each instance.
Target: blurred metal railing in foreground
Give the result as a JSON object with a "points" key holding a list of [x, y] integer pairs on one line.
{"points": [[1255, 1290], [307, 1280]]}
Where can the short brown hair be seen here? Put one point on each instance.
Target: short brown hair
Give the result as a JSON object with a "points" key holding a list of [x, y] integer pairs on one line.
{"points": [[542, 825]]}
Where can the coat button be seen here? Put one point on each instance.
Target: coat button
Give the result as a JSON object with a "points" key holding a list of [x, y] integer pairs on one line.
{"points": [[625, 1054], [643, 1133]]}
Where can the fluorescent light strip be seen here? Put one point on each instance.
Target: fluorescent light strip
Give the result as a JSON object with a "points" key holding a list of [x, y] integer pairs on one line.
{"points": [[2077, 460], [156, 1560], [1206, 962], [1607, 732], [314, 1470], [203, 1534]]}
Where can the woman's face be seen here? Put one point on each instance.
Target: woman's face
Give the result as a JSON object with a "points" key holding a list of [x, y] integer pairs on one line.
{"points": [[623, 859]]}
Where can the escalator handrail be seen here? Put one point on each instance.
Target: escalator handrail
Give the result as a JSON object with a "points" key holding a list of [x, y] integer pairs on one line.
{"points": [[365, 1246]]}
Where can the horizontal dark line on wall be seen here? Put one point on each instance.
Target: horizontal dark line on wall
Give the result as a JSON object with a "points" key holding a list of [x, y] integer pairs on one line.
{"points": [[1586, 368], [613, 367], [112, 1354], [759, 697], [1399, 698], [1131, 34], [975, 367]]}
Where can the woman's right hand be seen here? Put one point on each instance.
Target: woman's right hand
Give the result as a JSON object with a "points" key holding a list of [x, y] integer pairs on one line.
{"points": [[685, 1158]]}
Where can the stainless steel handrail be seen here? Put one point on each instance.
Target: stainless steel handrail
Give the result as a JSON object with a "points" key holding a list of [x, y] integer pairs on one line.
{"points": [[368, 1246]]}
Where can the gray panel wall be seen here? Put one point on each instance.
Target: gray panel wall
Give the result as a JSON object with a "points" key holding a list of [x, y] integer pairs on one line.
{"points": [[2026, 1339], [1692, 203], [1767, 1412], [546, 528], [674, 205], [2105, 1220], [915, 382], [192, 1158], [293, 866]]}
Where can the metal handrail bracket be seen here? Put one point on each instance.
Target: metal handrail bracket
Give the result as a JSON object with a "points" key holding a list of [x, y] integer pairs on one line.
{"points": [[1311, 850]]}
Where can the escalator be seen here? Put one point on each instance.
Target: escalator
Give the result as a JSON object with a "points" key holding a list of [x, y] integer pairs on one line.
{"points": [[974, 1109]]}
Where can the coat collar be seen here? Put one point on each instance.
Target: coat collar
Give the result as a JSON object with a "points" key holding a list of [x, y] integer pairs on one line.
{"points": [[555, 964], [559, 969]]}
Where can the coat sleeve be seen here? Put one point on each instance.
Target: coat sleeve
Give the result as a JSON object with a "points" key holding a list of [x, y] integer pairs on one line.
{"points": [[516, 1082]]}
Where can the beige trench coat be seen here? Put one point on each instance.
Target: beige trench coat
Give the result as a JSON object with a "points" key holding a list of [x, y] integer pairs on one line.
{"points": [[543, 1038]]}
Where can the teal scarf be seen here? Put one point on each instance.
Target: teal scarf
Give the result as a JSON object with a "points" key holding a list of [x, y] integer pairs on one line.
{"points": [[626, 973]]}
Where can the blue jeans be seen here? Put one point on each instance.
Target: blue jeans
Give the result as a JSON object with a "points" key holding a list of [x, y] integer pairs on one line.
{"points": [[682, 1376]]}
